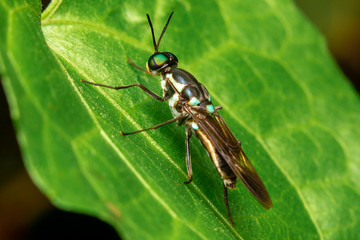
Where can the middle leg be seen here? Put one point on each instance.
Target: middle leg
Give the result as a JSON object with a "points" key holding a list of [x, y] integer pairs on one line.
{"points": [[188, 156], [156, 126], [227, 204]]}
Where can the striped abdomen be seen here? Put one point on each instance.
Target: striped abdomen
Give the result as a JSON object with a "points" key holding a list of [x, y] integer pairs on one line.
{"points": [[220, 164]]}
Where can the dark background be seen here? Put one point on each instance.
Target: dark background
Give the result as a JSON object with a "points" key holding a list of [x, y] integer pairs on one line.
{"points": [[25, 213]]}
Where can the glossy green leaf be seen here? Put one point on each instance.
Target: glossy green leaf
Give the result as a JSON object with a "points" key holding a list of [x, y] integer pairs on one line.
{"points": [[282, 95]]}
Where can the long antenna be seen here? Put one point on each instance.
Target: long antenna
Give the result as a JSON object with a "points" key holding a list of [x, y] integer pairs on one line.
{"points": [[152, 32], [156, 45]]}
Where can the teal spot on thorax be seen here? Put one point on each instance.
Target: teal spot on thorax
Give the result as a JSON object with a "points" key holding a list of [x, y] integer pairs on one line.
{"points": [[209, 98], [210, 108], [194, 101], [194, 126]]}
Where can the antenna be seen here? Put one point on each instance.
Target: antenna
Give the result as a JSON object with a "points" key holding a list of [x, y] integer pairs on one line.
{"points": [[156, 45]]}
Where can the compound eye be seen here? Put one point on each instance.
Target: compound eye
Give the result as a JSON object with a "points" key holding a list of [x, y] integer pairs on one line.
{"points": [[156, 61]]}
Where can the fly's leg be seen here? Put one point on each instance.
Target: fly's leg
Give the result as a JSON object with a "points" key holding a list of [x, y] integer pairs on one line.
{"points": [[156, 126], [218, 108], [227, 204], [149, 92], [188, 156], [138, 67]]}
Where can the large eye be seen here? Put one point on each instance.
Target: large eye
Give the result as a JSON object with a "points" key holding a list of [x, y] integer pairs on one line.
{"points": [[157, 60]]}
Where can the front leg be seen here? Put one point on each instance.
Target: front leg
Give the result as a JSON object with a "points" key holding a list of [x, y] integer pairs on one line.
{"points": [[149, 92], [138, 67]]}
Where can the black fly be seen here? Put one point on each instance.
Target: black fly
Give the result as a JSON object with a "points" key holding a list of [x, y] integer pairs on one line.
{"points": [[190, 104]]}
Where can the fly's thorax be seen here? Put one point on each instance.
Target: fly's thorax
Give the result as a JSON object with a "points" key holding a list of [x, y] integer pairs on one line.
{"points": [[163, 84], [175, 106], [176, 85], [193, 93], [198, 98], [179, 79]]}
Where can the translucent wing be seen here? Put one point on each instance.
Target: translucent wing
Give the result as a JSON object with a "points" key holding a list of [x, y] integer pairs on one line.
{"points": [[230, 149]]}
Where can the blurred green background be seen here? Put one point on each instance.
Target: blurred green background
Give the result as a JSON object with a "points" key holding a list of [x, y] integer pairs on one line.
{"points": [[25, 212]]}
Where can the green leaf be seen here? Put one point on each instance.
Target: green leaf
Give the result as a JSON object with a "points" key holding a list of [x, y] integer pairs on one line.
{"points": [[282, 95]]}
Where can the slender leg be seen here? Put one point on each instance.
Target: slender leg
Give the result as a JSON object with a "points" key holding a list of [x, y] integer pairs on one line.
{"points": [[188, 156], [227, 204], [156, 126], [138, 67], [149, 92]]}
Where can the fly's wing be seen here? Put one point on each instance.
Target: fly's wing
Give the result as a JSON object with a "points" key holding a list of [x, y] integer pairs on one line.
{"points": [[229, 148]]}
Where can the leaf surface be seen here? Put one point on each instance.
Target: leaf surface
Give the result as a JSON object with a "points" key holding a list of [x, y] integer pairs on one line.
{"points": [[281, 94]]}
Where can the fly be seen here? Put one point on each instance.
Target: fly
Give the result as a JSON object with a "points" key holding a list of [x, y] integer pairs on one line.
{"points": [[190, 105]]}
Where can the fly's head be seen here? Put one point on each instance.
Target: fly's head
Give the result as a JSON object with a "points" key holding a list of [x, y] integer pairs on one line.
{"points": [[160, 61]]}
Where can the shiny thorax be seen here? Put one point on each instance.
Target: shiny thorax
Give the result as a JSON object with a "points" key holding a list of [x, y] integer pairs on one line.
{"points": [[182, 88], [179, 84]]}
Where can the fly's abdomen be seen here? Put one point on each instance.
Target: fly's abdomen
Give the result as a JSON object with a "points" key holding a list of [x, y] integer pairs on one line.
{"points": [[220, 164], [224, 170]]}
